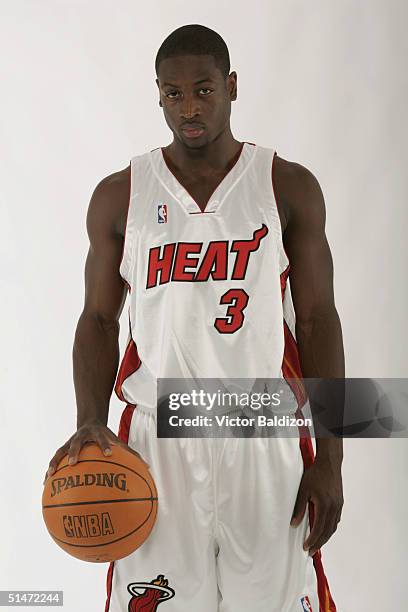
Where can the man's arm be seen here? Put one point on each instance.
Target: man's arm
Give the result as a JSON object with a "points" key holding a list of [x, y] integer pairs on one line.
{"points": [[318, 330], [96, 346]]}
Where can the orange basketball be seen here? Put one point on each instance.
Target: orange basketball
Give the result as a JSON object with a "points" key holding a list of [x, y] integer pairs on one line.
{"points": [[102, 508]]}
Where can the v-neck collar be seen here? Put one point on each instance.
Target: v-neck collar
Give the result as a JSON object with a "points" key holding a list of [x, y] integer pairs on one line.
{"points": [[180, 193]]}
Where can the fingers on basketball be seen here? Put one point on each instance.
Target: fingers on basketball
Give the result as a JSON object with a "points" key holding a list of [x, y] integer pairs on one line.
{"points": [[103, 442], [75, 448], [52, 466], [72, 448]]}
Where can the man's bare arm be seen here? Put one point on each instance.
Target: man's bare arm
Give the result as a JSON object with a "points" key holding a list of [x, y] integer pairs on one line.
{"points": [[318, 333], [318, 328], [96, 346]]}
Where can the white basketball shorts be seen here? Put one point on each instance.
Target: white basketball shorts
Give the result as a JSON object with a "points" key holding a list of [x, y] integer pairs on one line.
{"points": [[222, 541]]}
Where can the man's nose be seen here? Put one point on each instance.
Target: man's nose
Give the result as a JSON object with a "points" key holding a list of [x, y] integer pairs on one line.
{"points": [[189, 106]]}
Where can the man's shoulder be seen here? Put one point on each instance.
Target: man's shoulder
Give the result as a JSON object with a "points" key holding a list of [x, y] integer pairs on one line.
{"points": [[291, 176], [114, 185], [110, 200], [295, 186]]}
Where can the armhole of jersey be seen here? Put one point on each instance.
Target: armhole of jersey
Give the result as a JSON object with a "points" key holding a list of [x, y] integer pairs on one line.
{"points": [[127, 251], [284, 259]]}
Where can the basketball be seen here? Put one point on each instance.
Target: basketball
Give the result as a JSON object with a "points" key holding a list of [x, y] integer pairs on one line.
{"points": [[102, 508]]}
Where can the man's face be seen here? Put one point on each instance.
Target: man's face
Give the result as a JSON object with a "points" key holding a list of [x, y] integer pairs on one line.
{"points": [[195, 95]]}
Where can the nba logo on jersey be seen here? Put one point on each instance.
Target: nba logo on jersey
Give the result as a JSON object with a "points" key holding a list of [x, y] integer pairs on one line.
{"points": [[162, 213], [306, 605]]}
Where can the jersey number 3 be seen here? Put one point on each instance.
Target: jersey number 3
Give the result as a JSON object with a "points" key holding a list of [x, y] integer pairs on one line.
{"points": [[237, 300]]}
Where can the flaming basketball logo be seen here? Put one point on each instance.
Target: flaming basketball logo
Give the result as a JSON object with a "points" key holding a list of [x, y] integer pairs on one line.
{"points": [[153, 594]]}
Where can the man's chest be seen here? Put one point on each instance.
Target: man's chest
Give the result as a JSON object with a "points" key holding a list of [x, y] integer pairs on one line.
{"points": [[201, 189]]}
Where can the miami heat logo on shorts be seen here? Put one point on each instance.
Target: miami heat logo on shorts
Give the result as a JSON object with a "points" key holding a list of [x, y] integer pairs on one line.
{"points": [[146, 596]]}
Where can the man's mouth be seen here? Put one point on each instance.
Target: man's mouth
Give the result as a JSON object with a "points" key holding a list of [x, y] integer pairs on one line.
{"points": [[192, 130]]}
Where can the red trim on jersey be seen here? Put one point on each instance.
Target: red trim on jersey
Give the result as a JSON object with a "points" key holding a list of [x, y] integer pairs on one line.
{"points": [[125, 421], [276, 199], [109, 578], [291, 370], [283, 279], [202, 212], [126, 222], [131, 362], [123, 434], [291, 364], [291, 367]]}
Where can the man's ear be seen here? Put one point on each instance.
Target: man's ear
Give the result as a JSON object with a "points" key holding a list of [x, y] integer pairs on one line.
{"points": [[158, 86], [233, 84]]}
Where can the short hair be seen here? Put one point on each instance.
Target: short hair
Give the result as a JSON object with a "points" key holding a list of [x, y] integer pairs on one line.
{"points": [[195, 39]]}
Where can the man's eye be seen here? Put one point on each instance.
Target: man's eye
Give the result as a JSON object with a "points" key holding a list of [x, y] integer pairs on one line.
{"points": [[172, 94]]}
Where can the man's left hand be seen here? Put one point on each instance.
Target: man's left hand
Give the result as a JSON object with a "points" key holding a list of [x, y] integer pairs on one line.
{"points": [[321, 484]]}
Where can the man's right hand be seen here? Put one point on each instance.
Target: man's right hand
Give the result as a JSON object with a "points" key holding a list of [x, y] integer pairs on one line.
{"points": [[92, 431]]}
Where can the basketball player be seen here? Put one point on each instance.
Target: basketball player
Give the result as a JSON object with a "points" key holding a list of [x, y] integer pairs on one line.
{"points": [[205, 234]]}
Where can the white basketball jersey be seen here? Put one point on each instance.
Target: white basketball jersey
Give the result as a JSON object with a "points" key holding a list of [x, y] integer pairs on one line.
{"points": [[209, 296], [210, 300]]}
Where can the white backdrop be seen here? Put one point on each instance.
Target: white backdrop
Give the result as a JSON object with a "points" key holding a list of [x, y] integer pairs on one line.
{"points": [[325, 83]]}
